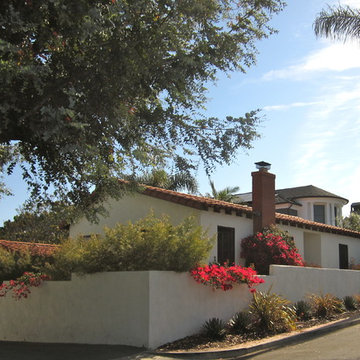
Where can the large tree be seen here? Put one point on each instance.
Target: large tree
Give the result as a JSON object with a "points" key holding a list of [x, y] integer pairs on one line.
{"points": [[93, 90], [338, 22], [47, 223]]}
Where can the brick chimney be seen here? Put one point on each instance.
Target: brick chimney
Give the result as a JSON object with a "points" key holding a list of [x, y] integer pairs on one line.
{"points": [[263, 196]]}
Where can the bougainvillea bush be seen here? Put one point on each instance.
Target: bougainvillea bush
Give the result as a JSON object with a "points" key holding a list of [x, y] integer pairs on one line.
{"points": [[271, 246], [20, 287], [224, 277]]}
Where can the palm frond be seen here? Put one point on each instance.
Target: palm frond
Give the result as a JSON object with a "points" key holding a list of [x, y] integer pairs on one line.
{"points": [[340, 23]]}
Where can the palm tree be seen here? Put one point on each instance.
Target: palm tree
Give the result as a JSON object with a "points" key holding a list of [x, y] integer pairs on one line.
{"points": [[338, 22], [227, 194], [176, 182]]}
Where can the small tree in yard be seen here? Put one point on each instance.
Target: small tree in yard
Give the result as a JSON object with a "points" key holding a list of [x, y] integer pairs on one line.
{"points": [[271, 246]]}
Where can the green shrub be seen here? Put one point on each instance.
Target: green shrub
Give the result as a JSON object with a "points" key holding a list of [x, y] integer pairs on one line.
{"points": [[148, 244], [326, 305], [303, 310], [14, 264], [214, 329], [350, 303], [272, 313], [240, 323]]}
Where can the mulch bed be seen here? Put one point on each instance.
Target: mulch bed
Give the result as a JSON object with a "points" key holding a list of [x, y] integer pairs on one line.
{"points": [[199, 342]]}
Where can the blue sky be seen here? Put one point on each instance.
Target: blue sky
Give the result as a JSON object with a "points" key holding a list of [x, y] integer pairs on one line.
{"points": [[309, 93]]}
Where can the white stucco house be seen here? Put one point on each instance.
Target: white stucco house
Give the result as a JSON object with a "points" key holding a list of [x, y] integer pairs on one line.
{"points": [[319, 243]]}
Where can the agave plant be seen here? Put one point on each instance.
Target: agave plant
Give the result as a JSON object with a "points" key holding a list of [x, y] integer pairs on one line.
{"points": [[240, 323], [214, 329], [303, 310], [350, 303]]}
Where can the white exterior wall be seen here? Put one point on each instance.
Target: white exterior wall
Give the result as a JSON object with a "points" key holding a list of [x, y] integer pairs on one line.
{"points": [[132, 208], [147, 308], [330, 249], [243, 226]]}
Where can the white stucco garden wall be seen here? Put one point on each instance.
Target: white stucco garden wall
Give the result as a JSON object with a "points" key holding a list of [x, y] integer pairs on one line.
{"points": [[147, 308], [140, 308], [296, 283], [102, 308]]}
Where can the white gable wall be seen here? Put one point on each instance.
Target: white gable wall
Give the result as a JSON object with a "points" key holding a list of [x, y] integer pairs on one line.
{"points": [[132, 208]]}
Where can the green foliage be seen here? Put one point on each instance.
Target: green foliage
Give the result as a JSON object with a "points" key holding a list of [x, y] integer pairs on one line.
{"points": [[14, 264], [214, 329], [327, 305], [240, 323], [272, 313], [351, 222], [148, 244], [303, 310], [350, 303], [158, 177], [94, 90], [45, 224], [227, 194]]}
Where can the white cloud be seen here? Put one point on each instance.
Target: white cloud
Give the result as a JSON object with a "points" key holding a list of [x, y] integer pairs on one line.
{"points": [[326, 147], [334, 57], [289, 106], [352, 3]]}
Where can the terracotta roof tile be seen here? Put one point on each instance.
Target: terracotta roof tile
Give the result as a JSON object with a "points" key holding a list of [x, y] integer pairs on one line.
{"points": [[204, 203], [34, 248]]}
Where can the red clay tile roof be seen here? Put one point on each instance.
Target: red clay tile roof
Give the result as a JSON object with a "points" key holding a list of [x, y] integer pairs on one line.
{"points": [[34, 248], [204, 203]]}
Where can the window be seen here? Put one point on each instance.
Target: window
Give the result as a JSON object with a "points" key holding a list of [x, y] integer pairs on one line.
{"points": [[319, 213], [343, 256], [337, 215], [226, 245]]}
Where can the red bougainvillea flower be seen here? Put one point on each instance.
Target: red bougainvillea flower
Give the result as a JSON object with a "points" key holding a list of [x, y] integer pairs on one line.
{"points": [[21, 286], [224, 277]]}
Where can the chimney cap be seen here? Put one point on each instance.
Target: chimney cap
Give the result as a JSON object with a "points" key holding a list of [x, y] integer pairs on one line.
{"points": [[262, 165]]}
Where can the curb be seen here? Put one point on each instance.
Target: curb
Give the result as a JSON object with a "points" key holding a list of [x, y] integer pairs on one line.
{"points": [[303, 336]]}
